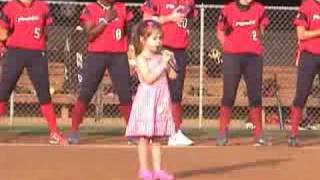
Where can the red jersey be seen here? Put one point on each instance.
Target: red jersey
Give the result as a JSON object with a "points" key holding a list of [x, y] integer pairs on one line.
{"points": [[309, 17], [26, 24], [175, 35], [242, 28], [113, 37]]}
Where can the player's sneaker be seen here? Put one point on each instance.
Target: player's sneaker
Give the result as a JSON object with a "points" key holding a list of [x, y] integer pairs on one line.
{"points": [[179, 139], [261, 141], [222, 140], [74, 137], [293, 141], [57, 139]]}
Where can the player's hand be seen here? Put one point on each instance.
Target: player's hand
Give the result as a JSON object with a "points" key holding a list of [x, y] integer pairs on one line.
{"points": [[3, 34], [177, 16], [111, 15]]}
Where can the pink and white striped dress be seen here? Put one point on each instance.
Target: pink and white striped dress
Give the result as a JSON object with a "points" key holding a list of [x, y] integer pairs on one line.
{"points": [[151, 114]]}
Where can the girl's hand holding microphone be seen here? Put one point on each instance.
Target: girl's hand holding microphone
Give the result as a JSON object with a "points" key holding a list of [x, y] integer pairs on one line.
{"points": [[169, 61]]}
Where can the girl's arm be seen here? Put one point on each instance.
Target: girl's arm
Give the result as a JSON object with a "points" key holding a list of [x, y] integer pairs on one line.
{"points": [[172, 74], [149, 76]]}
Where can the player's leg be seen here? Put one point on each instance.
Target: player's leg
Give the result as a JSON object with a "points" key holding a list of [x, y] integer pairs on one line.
{"points": [[13, 64], [120, 76], [253, 79], [307, 70], [176, 91], [92, 74], [37, 68], [231, 68]]}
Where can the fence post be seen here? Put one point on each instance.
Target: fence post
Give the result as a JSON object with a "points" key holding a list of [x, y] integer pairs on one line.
{"points": [[201, 65], [11, 109]]}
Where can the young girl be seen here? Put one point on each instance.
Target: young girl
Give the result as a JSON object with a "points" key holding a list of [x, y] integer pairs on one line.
{"points": [[176, 18], [151, 117]]}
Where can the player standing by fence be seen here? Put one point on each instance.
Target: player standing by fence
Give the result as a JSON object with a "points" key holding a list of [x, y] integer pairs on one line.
{"points": [[239, 30], [26, 22], [307, 23], [104, 22], [175, 17]]}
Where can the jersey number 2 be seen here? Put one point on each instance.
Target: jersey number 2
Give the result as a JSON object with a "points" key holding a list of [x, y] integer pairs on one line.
{"points": [[254, 35]]}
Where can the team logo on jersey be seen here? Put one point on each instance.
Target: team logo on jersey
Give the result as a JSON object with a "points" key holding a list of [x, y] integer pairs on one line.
{"points": [[170, 6], [184, 9], [245, 23], [316, 17], [101, 20], [28, 18]]}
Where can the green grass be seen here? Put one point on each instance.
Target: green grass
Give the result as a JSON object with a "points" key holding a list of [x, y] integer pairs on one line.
{"points": [[41, 130]]}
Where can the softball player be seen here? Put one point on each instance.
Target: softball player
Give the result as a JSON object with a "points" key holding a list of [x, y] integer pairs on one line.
{"points": [[25, 22], [239, 30], [307, 23], [104, 23]]}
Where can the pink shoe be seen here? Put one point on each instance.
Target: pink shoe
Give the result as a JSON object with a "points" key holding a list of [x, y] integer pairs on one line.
{"points": [[145, 175], [162, 175]]}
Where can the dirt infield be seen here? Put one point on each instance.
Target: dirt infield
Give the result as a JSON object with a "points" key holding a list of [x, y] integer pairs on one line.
{"points": [[113, 162], [105, 155]]}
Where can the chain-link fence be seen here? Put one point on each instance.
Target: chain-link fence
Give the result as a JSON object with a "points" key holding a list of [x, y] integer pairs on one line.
{"points": [[203, 84]]}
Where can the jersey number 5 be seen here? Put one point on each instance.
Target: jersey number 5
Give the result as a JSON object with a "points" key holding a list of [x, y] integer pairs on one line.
{"points": [[37, 33]]}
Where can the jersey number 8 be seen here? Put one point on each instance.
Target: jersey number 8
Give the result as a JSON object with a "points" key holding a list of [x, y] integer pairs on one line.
{"points": [[118, 34]]}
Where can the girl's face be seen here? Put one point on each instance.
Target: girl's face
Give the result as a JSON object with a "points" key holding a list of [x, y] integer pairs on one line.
{"points": [[246, 2], [153, 43]]}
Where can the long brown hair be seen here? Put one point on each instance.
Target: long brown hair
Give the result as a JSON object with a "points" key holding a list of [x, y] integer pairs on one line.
{"points": [[144, 29]]}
